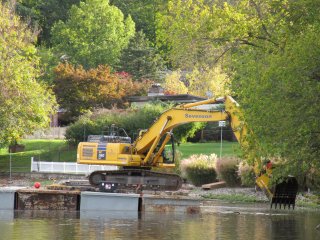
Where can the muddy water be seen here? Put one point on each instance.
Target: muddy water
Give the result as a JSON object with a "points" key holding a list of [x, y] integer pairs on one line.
{"points": [[217, 222]]}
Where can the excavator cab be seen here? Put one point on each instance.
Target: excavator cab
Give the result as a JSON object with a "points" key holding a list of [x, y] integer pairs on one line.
{"points": [[168, 153]]}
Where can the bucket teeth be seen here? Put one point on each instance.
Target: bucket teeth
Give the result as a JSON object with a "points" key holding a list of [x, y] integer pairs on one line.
{"points": [[285, 193]]}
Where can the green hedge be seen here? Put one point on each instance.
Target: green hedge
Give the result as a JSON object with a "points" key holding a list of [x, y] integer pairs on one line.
{"points": [[132, 120], [246, 174]]}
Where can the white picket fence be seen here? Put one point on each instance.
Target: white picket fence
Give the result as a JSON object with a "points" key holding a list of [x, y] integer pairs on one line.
{"points": [[50, 133], [67, 167]]}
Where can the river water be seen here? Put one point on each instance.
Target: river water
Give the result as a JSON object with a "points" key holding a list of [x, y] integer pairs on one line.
{"points": [[242, 222]]}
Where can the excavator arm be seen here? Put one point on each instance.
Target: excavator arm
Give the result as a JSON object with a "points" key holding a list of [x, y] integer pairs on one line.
{"points": [[283, 193], [149, 140]]}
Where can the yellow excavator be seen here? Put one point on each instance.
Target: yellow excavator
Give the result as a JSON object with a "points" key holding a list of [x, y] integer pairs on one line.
{"points": [[136, 160]]}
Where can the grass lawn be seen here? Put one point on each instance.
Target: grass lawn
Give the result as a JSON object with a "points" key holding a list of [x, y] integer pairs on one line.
{"points": [[228, 148], [45, 150], [60, 151]]}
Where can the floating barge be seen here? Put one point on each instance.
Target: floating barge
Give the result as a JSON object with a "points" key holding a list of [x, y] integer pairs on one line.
{"points": [[43, 199]]}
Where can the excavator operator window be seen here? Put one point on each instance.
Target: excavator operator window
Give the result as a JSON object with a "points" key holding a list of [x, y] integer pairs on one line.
{"points": [[169, 152]]}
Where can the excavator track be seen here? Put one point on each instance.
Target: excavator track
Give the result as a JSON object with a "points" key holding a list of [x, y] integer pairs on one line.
{"points": [[128, 179]]}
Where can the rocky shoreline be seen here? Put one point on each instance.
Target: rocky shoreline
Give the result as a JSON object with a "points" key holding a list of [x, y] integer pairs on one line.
{"points": [[305, 199]]}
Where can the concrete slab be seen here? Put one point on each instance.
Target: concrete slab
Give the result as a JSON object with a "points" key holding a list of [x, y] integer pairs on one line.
{"points": [[7, 197], [7, 200], [108, 215], [99, 201], [170, 204]]}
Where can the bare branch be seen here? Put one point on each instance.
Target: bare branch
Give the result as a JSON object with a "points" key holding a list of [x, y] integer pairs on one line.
{"points": [[246, 42], [260, 16], [267, 39], [223, 53]]}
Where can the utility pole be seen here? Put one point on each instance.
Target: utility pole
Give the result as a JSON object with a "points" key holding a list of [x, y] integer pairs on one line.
{"points": [[10, 166]]}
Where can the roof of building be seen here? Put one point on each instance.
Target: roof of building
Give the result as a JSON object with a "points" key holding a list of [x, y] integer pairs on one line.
{"points": [[184, 98]]}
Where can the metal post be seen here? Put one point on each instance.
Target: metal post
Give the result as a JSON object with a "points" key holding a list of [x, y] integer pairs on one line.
{"points": [[10, 165], [221, 143], [221, 125], [84, 133]]}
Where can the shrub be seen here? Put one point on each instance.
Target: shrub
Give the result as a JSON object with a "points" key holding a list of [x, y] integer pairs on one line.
{"points": [[132, 120], [177, 161], [313, 179], [246, 174], [226, 168], [79, 130], [199, 169]]}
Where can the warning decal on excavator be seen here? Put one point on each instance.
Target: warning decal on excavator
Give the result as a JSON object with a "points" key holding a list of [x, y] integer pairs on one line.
{"points": [[102, 152]]}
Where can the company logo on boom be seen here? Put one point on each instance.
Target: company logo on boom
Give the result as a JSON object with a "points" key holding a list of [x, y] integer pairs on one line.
{"points": [[197, 116]]}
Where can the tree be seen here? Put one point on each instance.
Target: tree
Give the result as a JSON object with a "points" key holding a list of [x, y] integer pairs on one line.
{"points": [[94, 34], [182, 32], [79, 90], [280, 96], [26, 104], [174, 85], [141, 60], [271, 51], [43, 14], [206, 81], [143, 14]]}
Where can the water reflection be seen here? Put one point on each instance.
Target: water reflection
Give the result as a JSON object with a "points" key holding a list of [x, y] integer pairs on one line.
{"points": [[222, 223]]}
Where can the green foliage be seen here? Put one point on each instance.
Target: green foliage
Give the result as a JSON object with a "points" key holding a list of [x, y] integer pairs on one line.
{"points": [[183, 132], [141, 60], [233, 197], [40, 149], [48, 61], [59, 150], [173, 84], [271, 51], [199, 169], [227, 169], [204, 79], [309, 200], [228, 148], [95, 33], [132, 120], [25, 103], [43, 14], [143, 14], [177, 161], [246, 174], [313, 179], [283, 101]]}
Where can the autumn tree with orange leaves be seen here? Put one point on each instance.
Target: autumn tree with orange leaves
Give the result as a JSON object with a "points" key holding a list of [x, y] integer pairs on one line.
{"points": [[79, 90]]}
